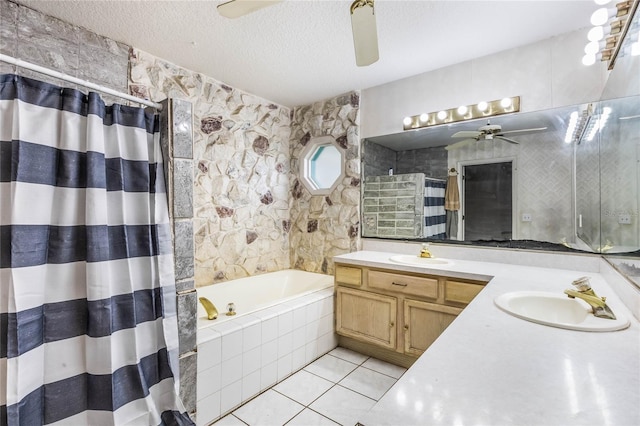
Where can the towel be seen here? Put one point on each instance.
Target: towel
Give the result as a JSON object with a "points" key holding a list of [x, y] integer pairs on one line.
{"points": [[452, 195]]}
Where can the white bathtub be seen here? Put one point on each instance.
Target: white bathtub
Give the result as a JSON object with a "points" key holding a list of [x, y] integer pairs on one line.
{"points": [[259, 292], [284, 321]]}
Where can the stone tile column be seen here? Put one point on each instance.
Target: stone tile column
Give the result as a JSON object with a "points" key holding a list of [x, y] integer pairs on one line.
{"points": [[177, 147]]}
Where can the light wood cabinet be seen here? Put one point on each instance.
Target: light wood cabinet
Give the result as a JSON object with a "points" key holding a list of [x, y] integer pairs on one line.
{"points": [[396, 315], [367, 316]]}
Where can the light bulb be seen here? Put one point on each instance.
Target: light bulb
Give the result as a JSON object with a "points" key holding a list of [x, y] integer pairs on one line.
{"points": [[592, 48], [505, 102], [482, 106], [407, 121], [601, 2], [442, 115], [600, 16], [635, 48], [462, 110], [596, 33], [588, 60], [424, 117]]}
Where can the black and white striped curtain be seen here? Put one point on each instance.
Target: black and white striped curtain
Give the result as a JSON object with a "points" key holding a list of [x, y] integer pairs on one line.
{"points": [[88, 330]]}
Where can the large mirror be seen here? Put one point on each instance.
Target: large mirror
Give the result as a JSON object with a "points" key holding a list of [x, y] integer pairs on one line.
{"points": [[547, 186]]}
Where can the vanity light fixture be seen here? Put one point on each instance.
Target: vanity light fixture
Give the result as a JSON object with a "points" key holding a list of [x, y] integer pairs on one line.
{"points": [[579, 122], [464, 112], [611, 25], [598, 124]]}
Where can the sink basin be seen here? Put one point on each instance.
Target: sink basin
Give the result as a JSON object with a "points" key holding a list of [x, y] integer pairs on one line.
{"points": [[557, 310], [410, 259]]}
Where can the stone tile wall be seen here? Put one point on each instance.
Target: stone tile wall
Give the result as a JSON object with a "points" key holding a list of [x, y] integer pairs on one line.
{"points": [[393, 206], [43, 40], [241, 171], [377, 159], [430, 161], [324, 226]]}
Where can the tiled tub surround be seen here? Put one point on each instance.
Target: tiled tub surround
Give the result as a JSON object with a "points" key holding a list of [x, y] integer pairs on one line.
{"points": [[243, 356], [527, 371], [241, 170]]}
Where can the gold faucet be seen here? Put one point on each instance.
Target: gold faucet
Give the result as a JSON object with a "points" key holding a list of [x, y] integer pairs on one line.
{"points": [[212, 312], [424, 252], [586, 293]]}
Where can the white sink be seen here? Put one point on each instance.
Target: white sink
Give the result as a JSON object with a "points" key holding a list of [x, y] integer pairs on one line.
{"points": [[410, 259], [557, 310]]}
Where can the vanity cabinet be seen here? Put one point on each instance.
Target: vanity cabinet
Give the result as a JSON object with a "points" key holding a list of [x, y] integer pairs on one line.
{"points": [[396, 315]]}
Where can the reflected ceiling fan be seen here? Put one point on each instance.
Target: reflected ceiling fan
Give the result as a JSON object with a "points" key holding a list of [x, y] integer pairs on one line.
{"points": [[487, 132], [363, 24]]}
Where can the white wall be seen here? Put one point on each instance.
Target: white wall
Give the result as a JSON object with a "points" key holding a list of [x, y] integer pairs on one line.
{"points": [[546, 74]]}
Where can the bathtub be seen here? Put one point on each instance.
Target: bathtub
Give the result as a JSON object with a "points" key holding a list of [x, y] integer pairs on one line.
{"points": [[284, 320]]}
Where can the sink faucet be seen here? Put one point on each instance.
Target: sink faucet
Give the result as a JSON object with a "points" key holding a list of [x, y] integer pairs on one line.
{"points": [[212, 311], [585, 292], [424, 252]]}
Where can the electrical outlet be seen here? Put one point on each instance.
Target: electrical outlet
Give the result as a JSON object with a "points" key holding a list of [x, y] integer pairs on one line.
{"points": [[624, 219], [526, 217]]}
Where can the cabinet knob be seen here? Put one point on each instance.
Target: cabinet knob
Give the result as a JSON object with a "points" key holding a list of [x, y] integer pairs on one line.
{"points": [[406, 326], [391, 324]]}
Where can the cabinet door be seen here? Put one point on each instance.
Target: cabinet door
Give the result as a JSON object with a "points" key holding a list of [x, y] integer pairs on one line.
{"points": [[367, 317], [423, 323]]}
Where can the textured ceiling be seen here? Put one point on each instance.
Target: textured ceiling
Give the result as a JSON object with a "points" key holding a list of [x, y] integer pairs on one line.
{"points": [[301, 51]]}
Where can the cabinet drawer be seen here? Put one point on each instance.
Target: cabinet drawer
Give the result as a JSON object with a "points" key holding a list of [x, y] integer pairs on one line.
{"points": [[461, 292], [348, 275], [404, 284]]}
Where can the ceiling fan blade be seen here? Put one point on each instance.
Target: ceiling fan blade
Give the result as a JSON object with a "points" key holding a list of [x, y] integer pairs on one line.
{"points": [[466, 134], [537, 129], [237, 8], [460, 144], [365, 35], [506, 139]]}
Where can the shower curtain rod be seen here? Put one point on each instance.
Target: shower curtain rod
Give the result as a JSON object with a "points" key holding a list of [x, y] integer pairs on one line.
{"points": [[33, 67]]}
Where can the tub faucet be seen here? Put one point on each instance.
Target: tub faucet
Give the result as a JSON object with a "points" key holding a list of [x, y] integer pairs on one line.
{"points": [[585, 292], [212, 312]]}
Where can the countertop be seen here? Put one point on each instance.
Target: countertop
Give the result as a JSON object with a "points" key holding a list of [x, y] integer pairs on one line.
{"points": [[489, 367]]}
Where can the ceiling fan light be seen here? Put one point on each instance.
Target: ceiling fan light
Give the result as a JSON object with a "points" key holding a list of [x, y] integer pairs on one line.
{"points": [[365, 35]]}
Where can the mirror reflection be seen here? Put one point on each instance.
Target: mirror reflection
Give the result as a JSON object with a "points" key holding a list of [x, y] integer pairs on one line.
{"points": [[530, 180]]}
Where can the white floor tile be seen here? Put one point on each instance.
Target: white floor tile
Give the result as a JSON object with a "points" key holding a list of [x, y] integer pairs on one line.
{"points": [[229, 420], [349, 355], [303, 387], [384, 367], [342, 405], [269, 408], [310, 418], [331, 368], [368, 382]]}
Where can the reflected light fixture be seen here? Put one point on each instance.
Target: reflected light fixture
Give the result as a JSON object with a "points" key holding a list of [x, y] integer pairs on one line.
{"points": [[579, 121], [464, 112], [365, 35], [611, 25]]}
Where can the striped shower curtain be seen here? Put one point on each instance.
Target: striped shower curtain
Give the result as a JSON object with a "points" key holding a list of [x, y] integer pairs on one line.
{"points": [[88, 330]]}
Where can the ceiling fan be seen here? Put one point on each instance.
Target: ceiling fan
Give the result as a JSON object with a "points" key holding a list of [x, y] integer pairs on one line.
{"points": [[363, 24], [487, 132]]}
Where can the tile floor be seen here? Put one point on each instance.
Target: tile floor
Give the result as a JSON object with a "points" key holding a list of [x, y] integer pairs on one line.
{"points": [[334, 389]]}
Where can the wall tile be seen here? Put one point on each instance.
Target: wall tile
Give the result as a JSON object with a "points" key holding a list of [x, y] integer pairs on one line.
{"points": [[186, 285], [187, 321], [183, 234], [182, 129], [8, 32], [182, 189], [188, 375]]}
